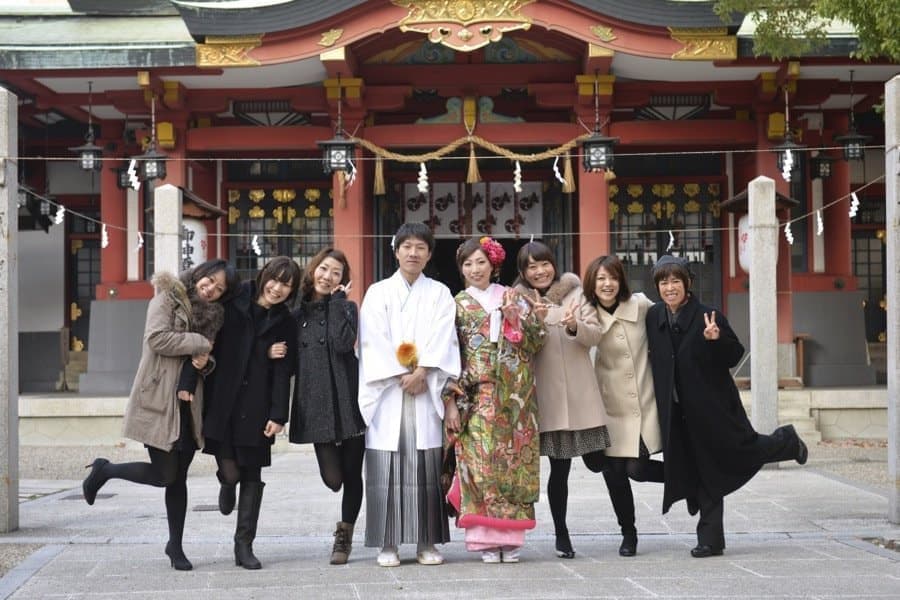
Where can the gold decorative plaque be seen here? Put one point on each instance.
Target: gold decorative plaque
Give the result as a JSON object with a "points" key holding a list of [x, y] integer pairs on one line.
{"points": [[330, 37], [603, 33], [709, 43], [463, 25], [228, 51]]}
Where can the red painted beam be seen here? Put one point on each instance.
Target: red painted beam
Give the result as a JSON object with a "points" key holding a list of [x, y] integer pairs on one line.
{"points": [[695, 133], [221, 139]]}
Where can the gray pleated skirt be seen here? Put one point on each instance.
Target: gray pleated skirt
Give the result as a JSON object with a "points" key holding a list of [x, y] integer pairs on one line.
{"points": [[404, 501]]}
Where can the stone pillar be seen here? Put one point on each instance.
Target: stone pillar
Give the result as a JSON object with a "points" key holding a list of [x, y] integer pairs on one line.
{"points": [[9, 314], [763, 303], [167, 229], [892, 221]]}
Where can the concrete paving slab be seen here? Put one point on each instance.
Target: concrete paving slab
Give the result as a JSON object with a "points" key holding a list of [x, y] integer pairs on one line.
{"points": [[791, 533]]}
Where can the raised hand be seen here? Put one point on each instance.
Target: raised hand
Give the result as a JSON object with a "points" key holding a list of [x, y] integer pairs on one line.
{"points": [[278, 350], [539, 307], [510, 308], [569, 319], [342, 288], [712, 330]]}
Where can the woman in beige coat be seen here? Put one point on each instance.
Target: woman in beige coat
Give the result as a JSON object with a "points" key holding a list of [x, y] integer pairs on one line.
{"points": [[571, 417], [626, 383], [162, 413]]}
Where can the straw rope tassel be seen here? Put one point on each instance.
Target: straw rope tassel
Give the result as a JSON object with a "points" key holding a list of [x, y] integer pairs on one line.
{"points": [[473, 176], [379, 177], [569, 186]]}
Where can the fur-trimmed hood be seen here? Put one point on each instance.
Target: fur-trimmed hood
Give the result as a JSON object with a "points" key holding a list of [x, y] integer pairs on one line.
{"points": [[557, 292], [206, 317]]}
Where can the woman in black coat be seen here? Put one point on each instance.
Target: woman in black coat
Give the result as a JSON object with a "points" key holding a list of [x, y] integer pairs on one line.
{"points": [[325, 408], [247, 404], [709, 444]]}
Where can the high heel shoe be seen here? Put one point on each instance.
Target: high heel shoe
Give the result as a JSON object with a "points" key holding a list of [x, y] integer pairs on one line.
{"points": [[92, 483], [177, 558], [564, 546], [629, 542]]}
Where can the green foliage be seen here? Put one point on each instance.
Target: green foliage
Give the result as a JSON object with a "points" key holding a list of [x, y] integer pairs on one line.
{"points": [[787, 28]]}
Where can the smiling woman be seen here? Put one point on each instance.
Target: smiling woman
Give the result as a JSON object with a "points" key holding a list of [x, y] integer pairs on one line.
{"points": [[250, 392]]}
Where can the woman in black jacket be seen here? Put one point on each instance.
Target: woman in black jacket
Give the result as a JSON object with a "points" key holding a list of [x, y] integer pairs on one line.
{"points": [[710, 447], [325, 409], [249, 393]]}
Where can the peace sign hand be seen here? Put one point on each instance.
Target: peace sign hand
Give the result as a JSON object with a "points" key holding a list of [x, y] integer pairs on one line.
{"points": [[534, 300], [568, 319], [712, 330], [510, 309]]}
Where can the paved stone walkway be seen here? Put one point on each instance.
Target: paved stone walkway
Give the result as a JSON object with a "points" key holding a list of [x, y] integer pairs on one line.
{"points": [[791, 533]]}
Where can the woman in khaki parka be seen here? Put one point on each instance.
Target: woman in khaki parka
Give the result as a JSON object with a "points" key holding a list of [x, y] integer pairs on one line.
{"points": [[161, 414]]}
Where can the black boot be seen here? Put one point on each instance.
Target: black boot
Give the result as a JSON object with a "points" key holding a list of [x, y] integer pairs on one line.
{"points": [[623, 504], [95, 480], [226, 495], [249, 502], [177, 558]]}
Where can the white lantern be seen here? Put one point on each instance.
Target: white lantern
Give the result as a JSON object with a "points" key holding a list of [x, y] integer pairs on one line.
{"points": [[194, 243]]}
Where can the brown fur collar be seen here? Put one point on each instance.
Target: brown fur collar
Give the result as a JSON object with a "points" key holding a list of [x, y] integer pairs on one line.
{"points": [[558, 291], [206, 317]]}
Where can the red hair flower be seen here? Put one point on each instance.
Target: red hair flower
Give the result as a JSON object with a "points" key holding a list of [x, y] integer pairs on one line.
{"points": [[493, 250]]}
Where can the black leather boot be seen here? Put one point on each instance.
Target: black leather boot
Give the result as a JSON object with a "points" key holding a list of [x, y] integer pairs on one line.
{"points": [[623, 504], [226, 495], [249, 501]]}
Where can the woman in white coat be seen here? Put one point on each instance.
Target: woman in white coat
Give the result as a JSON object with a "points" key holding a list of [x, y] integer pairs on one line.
{"points": [[571, 418], [623, 371]]}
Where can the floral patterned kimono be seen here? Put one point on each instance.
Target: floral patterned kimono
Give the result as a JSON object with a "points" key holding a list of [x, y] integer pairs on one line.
{"points": [[498, 450]]}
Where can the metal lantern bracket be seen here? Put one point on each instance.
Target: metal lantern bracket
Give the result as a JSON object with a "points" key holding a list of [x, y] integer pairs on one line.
{"points": [[853, 142], [90, 155], [338, 151], [152, 163], [597, 150]]}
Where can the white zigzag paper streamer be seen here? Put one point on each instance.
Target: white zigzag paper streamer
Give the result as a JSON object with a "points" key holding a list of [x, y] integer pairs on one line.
{"points": [[517, 178], [352, 176], [423, 179], [788, 234], [820, 223], [60, 214], [104, 237], [254, 245], [140, 243], [787, 165], [132, 175], [556, 172], [854, 204], [671, 241]]}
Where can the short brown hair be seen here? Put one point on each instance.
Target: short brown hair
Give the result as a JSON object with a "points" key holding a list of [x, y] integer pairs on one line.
{"points": [[614, 267], [280, 268], [537, 251], [308, 285]]}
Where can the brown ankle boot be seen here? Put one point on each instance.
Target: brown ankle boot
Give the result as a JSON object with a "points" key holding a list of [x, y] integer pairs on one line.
{"points": [[343, 543]]}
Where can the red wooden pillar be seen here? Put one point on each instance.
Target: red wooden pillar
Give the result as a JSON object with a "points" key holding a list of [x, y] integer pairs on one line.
{"points": [[837, 218], [349, 224], [593, 219], [767, 164], [113, 269]]}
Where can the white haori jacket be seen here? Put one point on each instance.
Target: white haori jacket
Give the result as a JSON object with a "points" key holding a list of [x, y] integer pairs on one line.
{"points": [[394, 312]]}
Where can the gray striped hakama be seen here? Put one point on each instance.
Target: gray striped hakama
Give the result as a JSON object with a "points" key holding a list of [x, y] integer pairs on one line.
{"points": [[404, 501]]}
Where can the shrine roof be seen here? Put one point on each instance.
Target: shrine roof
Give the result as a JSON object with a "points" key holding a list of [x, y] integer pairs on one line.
{"points": [[662, 13], [235, 17]]}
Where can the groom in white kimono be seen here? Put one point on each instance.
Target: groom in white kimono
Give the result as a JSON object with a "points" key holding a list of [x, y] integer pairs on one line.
{"points": [[408, 350]]}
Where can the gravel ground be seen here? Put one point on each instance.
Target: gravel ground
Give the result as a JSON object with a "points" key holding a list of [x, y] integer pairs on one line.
{"points": [[861, 462]]}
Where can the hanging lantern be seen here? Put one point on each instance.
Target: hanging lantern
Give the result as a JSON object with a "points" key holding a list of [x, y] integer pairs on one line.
{"points": [[820, 166], [854, 143], [597, 152], [90, 155], [787, 152], [152, 163], [122, 178], [336, 153]]}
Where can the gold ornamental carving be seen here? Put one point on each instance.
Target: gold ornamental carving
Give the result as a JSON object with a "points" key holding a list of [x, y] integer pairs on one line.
{"points": [[603, 33], [463, 25], [330, 37], [228, 51], [233, 215], [709, 43]]}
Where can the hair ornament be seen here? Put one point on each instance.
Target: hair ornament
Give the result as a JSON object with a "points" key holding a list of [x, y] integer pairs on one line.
{"points": [[494, 251]]}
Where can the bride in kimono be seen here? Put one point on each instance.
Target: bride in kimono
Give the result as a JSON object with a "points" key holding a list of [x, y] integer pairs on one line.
{"points": [[492, 410]]}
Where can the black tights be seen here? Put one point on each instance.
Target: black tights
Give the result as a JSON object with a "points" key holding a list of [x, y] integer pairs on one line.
{"points": [[558, 485], [231, 473], [637, 469], [165, 469], [341, 466]]}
